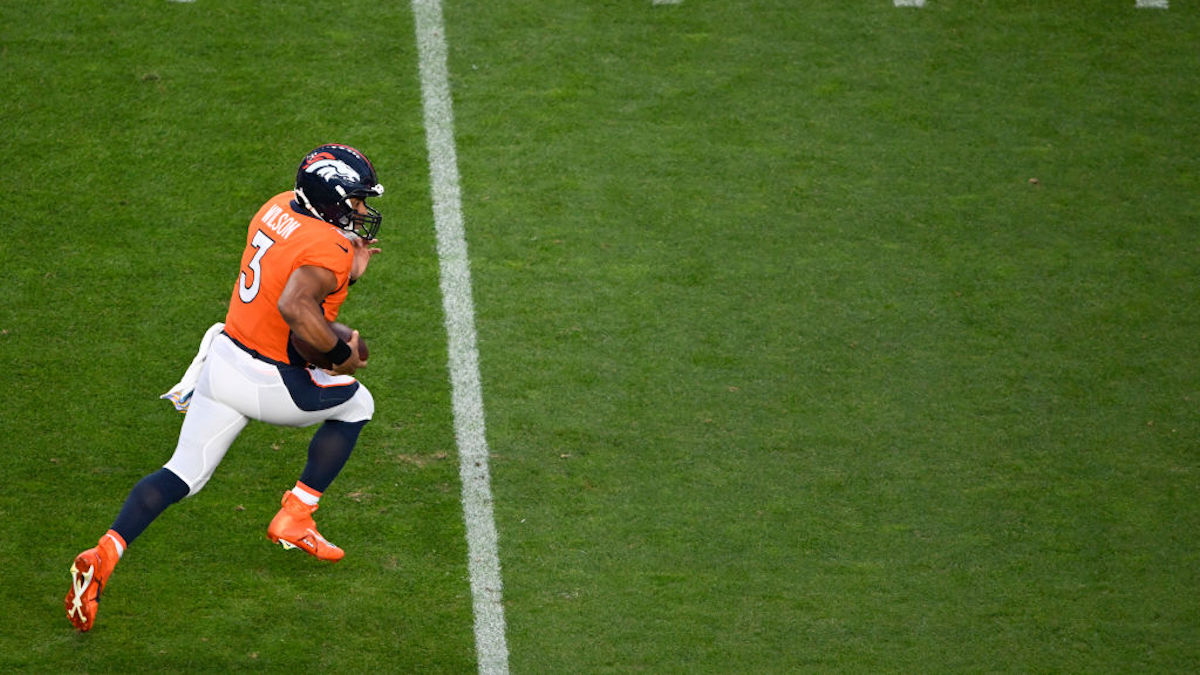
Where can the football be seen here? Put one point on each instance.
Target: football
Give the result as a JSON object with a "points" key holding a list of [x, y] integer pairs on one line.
{"points": [[317, 358]]}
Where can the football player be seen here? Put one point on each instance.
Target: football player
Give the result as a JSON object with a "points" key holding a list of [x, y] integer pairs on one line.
{"points": [[304, 248]]}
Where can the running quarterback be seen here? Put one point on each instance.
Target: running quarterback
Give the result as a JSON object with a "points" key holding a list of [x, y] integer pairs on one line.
{"points": [[304, 248]]}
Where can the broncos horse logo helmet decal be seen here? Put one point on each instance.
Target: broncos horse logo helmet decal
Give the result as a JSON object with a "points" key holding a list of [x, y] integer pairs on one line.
{"points": [[329, 167]]}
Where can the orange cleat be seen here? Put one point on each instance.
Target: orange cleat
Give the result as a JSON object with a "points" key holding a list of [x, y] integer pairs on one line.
{"points": [[89, 574], [293, 527]]}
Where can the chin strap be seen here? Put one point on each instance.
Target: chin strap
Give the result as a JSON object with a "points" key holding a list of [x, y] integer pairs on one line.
{"points": [[300, 197]]}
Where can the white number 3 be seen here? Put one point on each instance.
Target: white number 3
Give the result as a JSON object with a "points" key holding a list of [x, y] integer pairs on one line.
{"points": [[248, 291]]}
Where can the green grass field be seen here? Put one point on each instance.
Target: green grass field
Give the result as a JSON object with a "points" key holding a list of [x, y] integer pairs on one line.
{"points": [[815, 336]]}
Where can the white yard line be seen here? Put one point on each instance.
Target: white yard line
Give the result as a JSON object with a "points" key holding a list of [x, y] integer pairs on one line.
{"points": [[909, 3], [1151, 4], [483, 561]]}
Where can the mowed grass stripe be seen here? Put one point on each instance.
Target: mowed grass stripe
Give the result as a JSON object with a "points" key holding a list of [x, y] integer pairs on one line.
{"points": [[467, 395]]}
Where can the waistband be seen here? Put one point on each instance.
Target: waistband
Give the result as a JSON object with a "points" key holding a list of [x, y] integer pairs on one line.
{"points": [[257, 355]]}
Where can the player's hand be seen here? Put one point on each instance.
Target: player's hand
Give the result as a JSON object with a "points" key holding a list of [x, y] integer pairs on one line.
{"points": [[364, 250], [351, 364]]}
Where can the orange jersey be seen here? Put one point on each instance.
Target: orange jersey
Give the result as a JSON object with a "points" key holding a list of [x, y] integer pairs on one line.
{"points": [[281, 239]]}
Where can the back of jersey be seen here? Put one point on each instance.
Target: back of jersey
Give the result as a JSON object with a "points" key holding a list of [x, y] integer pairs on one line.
{"points": [[280, 239]]}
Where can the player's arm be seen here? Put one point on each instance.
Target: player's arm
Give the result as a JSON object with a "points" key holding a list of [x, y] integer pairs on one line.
{"points": [[300, 306]]}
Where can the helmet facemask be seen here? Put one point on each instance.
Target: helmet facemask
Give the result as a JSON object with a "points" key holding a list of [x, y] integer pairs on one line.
{"points": [[365, 225]]}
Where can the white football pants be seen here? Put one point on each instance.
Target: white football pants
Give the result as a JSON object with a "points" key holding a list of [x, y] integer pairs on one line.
{"points": [[235, 387]]}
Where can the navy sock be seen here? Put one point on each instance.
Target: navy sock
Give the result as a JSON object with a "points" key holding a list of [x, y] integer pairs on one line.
{"points": [[150, 497], [327, 453]]}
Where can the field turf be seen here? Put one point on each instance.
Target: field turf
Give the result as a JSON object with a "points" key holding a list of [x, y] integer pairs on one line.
{"points": [[814, 336]]}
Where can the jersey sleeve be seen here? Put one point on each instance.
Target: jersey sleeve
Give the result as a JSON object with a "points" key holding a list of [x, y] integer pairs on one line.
{"points": [[335, 256]]}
